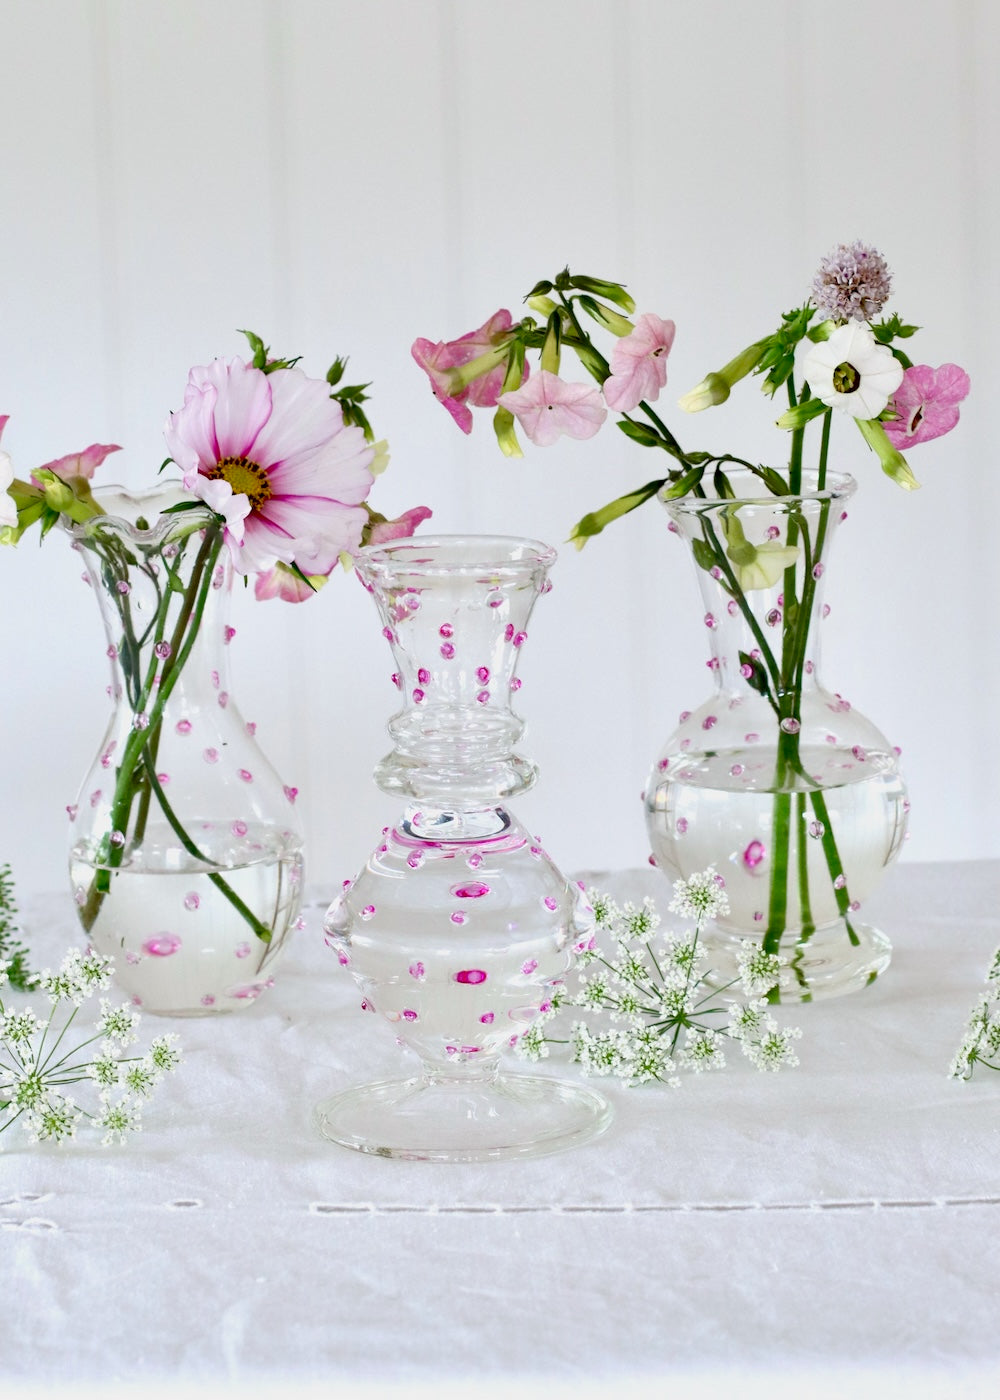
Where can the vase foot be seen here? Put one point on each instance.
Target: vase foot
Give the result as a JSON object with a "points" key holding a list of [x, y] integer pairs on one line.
{"points": [[826, 965], [464, 1120]]}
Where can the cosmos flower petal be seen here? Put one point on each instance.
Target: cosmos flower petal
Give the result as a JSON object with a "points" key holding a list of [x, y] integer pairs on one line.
{"points": [[242, 406], [338, 468], [400, 528], [83, 463], [304, 417]]}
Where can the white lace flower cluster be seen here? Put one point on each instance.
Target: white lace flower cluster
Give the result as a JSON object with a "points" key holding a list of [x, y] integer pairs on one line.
{"points": [[36, 1068], [664, 1014], [981, 1041]]}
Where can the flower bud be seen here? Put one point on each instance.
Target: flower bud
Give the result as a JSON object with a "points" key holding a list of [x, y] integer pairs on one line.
{"points": [[58, 496], [712, 390], [542, 304], [892, 462]]}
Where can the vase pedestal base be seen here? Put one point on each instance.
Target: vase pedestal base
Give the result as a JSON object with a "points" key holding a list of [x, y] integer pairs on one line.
{"points": [[827, 964], [440, 1119]]}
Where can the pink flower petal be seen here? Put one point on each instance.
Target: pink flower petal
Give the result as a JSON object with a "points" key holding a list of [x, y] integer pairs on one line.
{"points": [[926, 404], [401, 528], [434, 359], [547, 407], [639, 364], [83, 463]]}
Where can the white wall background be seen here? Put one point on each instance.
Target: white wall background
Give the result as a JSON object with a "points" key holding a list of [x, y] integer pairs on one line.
{"points": [[345, 175]]}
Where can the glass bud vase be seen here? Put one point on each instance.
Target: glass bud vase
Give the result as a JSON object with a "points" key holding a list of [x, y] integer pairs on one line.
{"points": [[185, 858], [793, 796], [459, 926]]}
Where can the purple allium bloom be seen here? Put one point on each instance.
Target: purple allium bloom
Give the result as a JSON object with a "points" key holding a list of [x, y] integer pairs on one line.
{"points": [[852, 284]]}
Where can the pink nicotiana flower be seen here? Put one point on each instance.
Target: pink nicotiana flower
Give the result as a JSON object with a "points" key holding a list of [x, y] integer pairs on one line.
{"points": [[401, 528], [639, 364], [548, 407], [440, 361], [82, 464], [926, 404], [280, 441]]}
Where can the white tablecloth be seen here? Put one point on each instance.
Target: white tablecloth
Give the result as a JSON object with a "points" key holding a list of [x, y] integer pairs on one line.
{"points": [[829, 1224]]}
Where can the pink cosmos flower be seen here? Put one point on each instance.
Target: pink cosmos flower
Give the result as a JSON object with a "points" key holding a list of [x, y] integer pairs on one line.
{"points": [[926, 404], [546, 407], [279, 441], [401, 528], [83, 463], [639, 364], [488, 343]]}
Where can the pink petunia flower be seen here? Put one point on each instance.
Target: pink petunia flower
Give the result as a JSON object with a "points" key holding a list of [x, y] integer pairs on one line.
{"points": [[926, 404], [639, 364], [401, 528], [83, 463], [440, 360], [547, 407], [280, 441]]}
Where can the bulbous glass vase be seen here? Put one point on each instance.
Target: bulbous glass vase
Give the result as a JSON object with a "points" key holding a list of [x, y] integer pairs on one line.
{"points": [[460, 925], [793, 796], [186, 857]]}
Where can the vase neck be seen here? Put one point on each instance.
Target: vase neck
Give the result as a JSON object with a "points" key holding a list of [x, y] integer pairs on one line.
{"points": [[455, 612]]}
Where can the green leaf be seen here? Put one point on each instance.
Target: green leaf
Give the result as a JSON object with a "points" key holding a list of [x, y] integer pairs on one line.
{"points": [[610, 291], [540, 289], [704, 555], [684, 484], [553, 341], [892, 328], [757, 680], [258, 347], [593, 523], [722, 487], [640, 433], [336, 371], [604, 316]]}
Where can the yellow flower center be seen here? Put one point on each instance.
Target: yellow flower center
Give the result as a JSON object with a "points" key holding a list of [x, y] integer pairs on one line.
{"points": [[247, 478], [846, 378]]}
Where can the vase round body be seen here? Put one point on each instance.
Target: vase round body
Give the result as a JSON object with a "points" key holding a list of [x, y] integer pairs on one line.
{"points": [[792, 795], [460, 926], [185, 853]]}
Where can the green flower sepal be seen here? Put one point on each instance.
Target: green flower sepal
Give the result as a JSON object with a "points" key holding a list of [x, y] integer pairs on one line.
{"points": [[892, 462]]}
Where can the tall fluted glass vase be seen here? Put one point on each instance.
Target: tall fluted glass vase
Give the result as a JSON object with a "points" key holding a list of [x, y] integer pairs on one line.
{"points": [[778, 782], [185, 852], [460, 925]]}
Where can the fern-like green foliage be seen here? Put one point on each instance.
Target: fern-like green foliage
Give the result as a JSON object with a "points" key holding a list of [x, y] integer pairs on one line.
{"points": [[12, 951]]}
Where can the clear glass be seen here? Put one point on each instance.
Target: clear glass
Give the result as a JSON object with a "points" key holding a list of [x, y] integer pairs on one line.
{"points": [[460, 925], [185, 854], [793, 796]]}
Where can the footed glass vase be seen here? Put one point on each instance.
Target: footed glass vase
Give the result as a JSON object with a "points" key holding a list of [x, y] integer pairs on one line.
{"points": [[185, 855], [459, 926], [793, 796]]}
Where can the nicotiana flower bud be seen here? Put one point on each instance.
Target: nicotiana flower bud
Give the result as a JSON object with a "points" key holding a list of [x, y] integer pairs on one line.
{"points": [[715, 388]]}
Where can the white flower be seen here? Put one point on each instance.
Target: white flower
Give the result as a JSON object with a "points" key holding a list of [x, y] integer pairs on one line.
{"points": [[701, 897], [117, 1023], [759, 971], [118, 1120], [54, 1120], [773, 1049], [703, 1050], [852, 371], [640, 923]]}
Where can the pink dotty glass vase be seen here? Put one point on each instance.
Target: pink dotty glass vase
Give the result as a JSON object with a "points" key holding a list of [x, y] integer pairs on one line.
{"points": [[460, 926], [793, 796], [186, 856]]}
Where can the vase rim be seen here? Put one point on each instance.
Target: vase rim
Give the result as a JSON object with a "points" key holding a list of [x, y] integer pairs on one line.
{"points": [[466, 554], [122, 507], [839, 486]]}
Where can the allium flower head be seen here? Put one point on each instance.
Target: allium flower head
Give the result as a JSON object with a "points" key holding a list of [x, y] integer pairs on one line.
{"points": [[852, 284], [279, 441]]}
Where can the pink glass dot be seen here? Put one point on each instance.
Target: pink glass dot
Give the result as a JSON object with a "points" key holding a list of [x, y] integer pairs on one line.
{"points": [[446, 630], [732, 607], [483, 675], [711, 621], [215, 679], [529, 966], [239, 828], [496, 601], [709, 722], [459, 918], [71, 812], [219, 577], [515, 683], [773, 532], [117, 838], [508, 632], [211, 755], [228, 633], [682, 825], [418, 696], [474, 861], [409, 1015], [388, 634], [192, 900], [242, 950], [826, 610], [140, 721], [550, 902], [758, 916], [475, 890], [415, 860], [113, 653], [840, 882], [773, 617], [208, 1001], [831, 738], [132, 958], [790, 725], [746, 671], [411, 601], [684, 715], [291, 792], [470, 976], [817, 571], [423, 676], [520, 638], [859, 753], [368, 912], [162, 650], [663, 764], [223, 699], [245, 775], [736, 770], [251, 728], [754, 854], [417, 970], [816, 830], [752, 738], [447, 650], [715, 571], [487, 1018], [396, 680], [183, 726], [164, 945], [483, 697], [854, 905]]}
